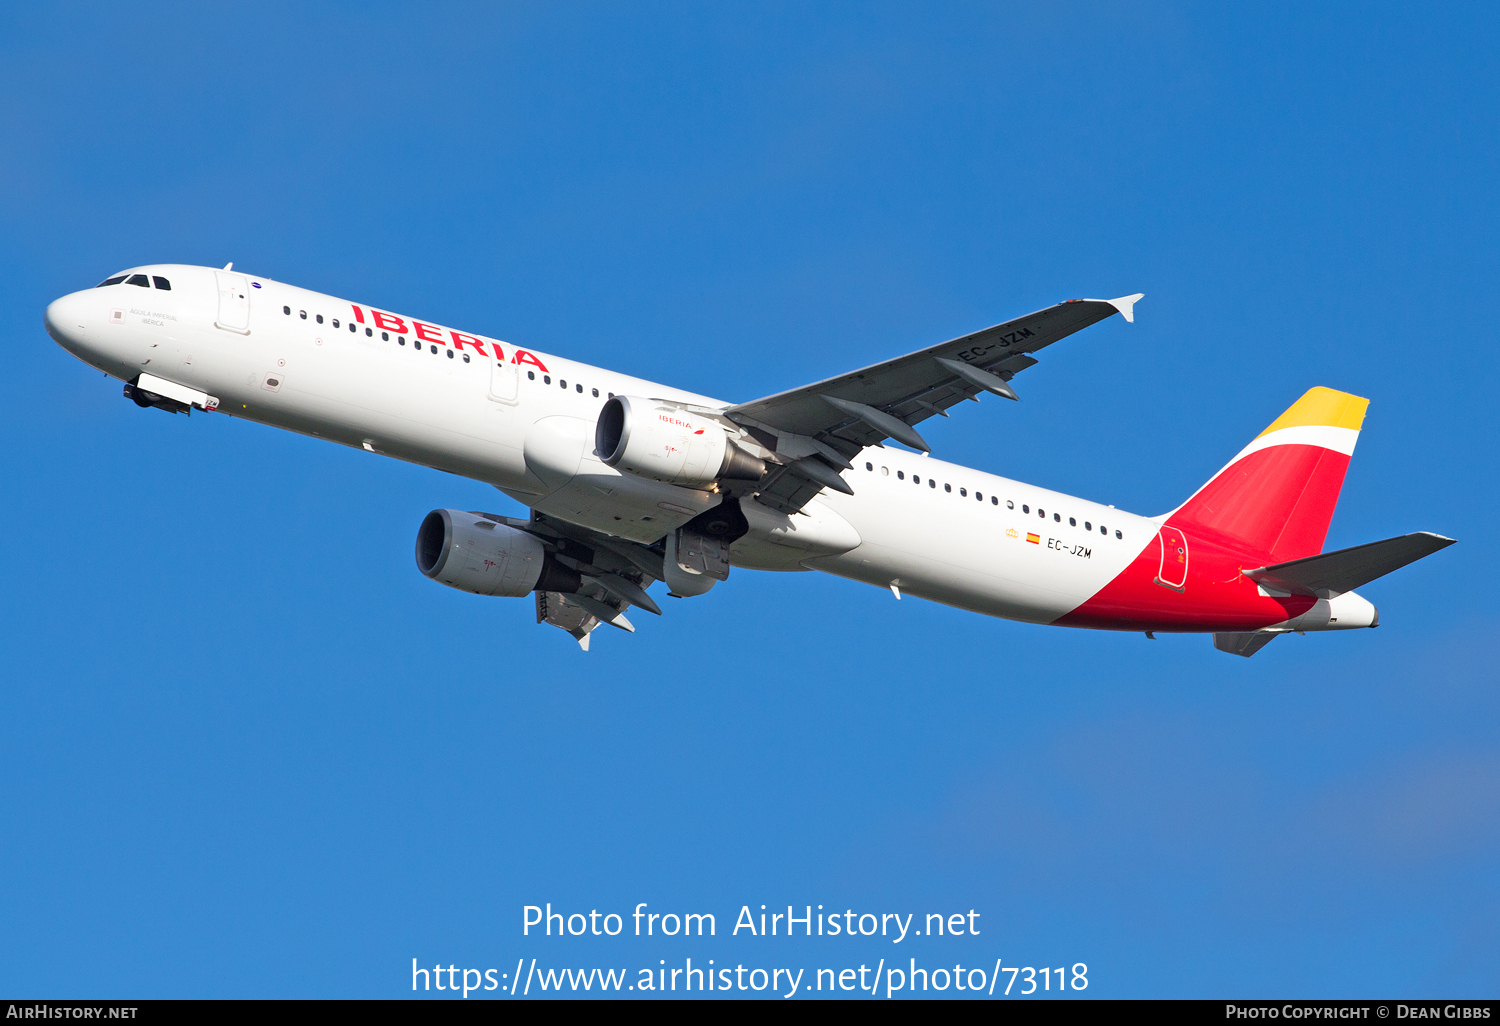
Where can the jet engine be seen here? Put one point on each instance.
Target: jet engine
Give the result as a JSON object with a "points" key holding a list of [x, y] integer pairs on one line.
{"points": [[471, 553], [663, 442]]}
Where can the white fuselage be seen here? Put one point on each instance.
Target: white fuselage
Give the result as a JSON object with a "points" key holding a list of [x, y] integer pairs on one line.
{"points": [[525, 424]]}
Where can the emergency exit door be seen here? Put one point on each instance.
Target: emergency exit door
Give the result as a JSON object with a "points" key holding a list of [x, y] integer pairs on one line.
{"points": [[234, 302], [1174, 559], [504, 380]]}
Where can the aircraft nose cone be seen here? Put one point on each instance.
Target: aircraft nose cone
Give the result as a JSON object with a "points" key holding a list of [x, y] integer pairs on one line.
{"points": [[65, 321]]}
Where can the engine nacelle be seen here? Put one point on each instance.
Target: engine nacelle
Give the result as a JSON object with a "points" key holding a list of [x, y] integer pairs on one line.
{"points": [[471, 553], [663, 442]]}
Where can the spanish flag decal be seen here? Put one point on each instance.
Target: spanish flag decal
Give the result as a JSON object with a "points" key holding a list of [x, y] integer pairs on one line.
{"points": [[1035, 539]]}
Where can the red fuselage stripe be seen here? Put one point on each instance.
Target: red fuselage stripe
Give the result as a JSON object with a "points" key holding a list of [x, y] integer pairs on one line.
{"points": [[1271, 506]]}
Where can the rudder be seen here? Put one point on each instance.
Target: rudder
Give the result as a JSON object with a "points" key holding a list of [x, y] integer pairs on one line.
{"points": [[1278, 495]]}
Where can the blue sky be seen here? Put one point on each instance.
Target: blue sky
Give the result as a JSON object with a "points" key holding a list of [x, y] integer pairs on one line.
{"points": [[247, 750]]}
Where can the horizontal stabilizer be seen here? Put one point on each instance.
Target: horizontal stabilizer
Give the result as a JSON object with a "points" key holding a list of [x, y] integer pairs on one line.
{"points": [[1246, 644], [1334, 573]]}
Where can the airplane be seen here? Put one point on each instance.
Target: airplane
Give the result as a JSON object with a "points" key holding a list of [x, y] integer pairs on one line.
{"points": [[630, 482]]}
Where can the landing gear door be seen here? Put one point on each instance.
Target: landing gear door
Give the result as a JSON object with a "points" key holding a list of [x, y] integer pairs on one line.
{"points": [[1174, 559], [504, 380], [234, 302]]}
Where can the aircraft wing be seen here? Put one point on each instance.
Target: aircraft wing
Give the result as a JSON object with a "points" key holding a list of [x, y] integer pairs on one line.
{"points": [[615, 574], [830, 421]]}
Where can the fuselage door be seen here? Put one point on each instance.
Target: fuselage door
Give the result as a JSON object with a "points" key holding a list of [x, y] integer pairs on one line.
{"points": [[234, 302], [504, 380], [1174, 559]]}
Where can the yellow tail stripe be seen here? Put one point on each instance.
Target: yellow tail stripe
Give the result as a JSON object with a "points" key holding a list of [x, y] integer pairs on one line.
{"points": [[1322, 407]]}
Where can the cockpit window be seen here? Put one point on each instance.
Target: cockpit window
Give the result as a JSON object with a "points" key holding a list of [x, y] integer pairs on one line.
{"points": [[138, 279], [110, 281], [161, 283]]}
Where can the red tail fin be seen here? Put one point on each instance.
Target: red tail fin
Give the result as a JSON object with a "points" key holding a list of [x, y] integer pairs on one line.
{"points": [[1277, 496]]}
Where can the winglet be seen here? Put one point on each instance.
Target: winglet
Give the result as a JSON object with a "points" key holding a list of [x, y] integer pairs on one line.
{"points": [[1126, 305]]}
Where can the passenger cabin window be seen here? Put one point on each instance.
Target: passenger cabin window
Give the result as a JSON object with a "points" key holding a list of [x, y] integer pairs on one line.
{"points": [[138, 279], [1057, 518], [947, 488], [385, 336], [302, 314], [869, 466], [161, 283], [1072, 522], [287, 310], [110, 281], [900, 475], [596, 393], [994, 501], [1119, 535], [320, 318], [1103, 529], [1009, 504], [1087, 526], [335, 322], [1024, 509]]}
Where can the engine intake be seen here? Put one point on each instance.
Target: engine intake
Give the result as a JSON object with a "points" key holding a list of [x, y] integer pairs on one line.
{"points": [[471, 553], [664, 442]]}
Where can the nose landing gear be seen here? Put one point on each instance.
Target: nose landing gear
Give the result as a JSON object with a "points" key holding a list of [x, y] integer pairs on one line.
{"points": [[149, 390], [145, 400]]}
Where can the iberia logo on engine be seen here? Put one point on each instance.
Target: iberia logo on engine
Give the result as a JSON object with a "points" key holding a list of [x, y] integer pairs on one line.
{"points": [[667, 419]]}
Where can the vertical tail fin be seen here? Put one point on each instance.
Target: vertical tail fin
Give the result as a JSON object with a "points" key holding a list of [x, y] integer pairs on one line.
{"points": [[1277, 496]]}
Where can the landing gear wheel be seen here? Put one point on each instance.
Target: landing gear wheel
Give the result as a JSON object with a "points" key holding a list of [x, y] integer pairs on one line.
{"points": [[725, 521]]}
